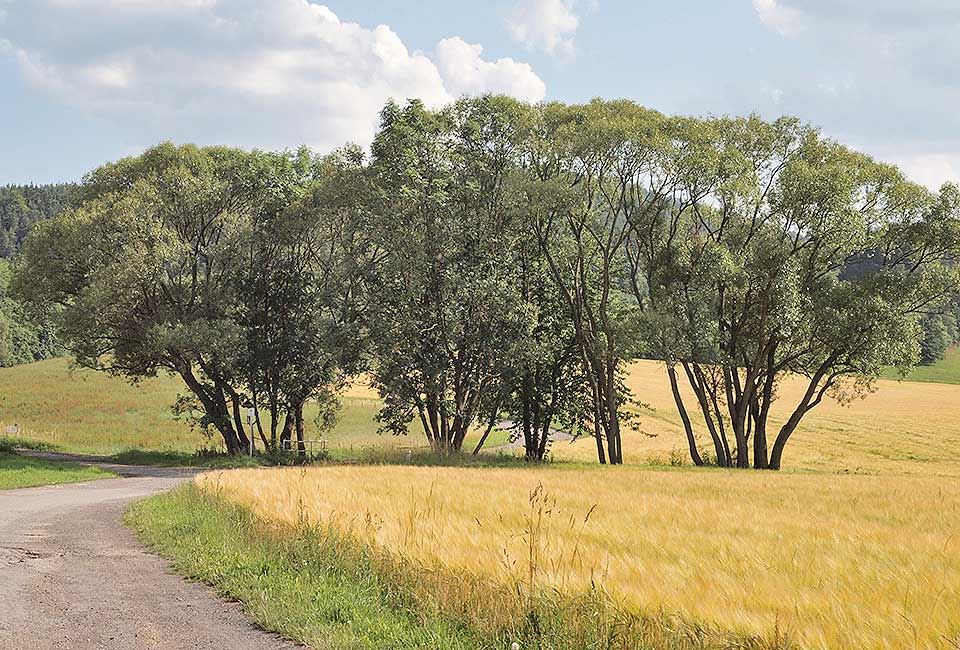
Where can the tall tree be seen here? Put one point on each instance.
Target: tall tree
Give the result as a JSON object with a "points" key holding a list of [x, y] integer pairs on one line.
{"points": [[580, 198], [756, 291], [139, 278], [302, 304], [444, 312]]}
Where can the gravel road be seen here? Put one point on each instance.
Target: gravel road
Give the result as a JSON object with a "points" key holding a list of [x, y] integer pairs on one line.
{"points": [[72, 577]]}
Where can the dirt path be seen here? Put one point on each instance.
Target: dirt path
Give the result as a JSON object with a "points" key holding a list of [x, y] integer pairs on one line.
{"points": [[72, 577]]}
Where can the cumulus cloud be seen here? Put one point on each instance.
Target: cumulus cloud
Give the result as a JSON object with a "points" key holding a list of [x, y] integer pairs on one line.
{"points": [[271, 73], [932, 169], [547, 25], [467, 73]]}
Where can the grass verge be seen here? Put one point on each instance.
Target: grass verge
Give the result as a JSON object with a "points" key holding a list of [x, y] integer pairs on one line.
{"points": [[20, 472], [324, 588]]}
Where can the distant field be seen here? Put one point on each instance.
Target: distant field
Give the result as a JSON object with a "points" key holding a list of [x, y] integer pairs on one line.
{"points": [[945, 371], [85, 411], [834, 561], [904, 428]]}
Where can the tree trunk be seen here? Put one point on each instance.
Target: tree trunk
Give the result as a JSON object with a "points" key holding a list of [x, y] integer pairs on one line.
{"points": [[238, 419], [597, 426], [696, 380], [760, 460], [215, 409], [286, 434], [687, 427], [298, 423], [529, 444]]}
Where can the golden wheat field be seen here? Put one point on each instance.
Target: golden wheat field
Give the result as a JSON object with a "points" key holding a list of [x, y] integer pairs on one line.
{"points": [[863, 562]]}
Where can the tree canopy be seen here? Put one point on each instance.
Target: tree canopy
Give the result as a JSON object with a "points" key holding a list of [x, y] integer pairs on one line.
{"points": [[495, 263]]}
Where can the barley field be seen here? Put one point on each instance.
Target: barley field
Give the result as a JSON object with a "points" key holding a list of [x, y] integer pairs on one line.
{"points": [[864, 562]]}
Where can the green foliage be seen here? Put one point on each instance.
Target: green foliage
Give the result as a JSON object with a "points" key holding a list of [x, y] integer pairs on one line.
{"points": [[941, 330], [21, 341], [22, 206], [142, 276], [299, 307], [493, 260], [444, 310], [759, 282]]}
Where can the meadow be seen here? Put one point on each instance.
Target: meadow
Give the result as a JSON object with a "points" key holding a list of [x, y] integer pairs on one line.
{"points": [[17, 471], [904, 427], [812, 557], [945, 371], [79, 410]]}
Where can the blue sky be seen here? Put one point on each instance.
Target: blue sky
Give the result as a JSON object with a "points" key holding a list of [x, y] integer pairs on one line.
{"points": [[87, 81]]}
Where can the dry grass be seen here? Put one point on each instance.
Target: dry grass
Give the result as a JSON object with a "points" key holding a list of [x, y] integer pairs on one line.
{"points": [[91, 412], [85, 411], [904, 428], [863, 562]]}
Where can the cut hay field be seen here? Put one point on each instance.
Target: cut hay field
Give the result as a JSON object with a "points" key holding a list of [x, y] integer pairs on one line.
{"points": [[841, 562]]}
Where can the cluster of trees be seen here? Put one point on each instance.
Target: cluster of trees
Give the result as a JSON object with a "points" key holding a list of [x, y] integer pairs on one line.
{"points": [[941, 331], [497, 260]]}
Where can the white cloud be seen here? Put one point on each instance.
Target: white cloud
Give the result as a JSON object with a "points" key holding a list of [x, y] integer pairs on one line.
{"points": [[466, 73], [779, 17], [547, 25], [152, 5], [269, 73], [112, 75], [932, 170]]}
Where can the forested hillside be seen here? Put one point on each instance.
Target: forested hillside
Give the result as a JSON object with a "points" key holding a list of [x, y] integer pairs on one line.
{"points": [[21, 206], [20, 340]]}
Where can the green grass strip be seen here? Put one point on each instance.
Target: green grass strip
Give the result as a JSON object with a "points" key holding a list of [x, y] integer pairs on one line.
{"points": [[22, 472], [295, 587]]}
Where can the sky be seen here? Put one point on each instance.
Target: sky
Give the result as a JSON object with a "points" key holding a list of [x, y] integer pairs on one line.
{"points": [[84, 82]]}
